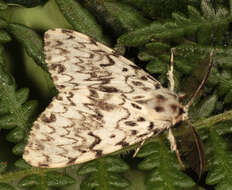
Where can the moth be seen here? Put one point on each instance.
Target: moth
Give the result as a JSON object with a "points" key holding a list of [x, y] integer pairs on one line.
{"points": [[105, 103]]}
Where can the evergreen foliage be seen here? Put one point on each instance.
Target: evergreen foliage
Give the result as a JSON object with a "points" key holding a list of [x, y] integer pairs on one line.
{"points": [[145, 31]]}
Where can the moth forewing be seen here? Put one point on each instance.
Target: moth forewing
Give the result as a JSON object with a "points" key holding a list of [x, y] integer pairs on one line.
{"points": [[105, 103]]}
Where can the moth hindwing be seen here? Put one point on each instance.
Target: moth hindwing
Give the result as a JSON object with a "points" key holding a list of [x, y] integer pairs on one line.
{"points": [[105, 103]]}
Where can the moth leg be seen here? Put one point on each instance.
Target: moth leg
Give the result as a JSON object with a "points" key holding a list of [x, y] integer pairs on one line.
{"points": [[170, 72], [138, 148], [173, 147]]}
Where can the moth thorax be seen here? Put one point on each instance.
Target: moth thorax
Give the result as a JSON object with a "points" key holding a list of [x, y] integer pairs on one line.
{"points": [[165, 105]]}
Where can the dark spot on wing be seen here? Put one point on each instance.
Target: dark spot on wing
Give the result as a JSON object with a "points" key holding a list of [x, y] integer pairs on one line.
{"points": [[138, 97], [124, 69], [156, 131], [123, 143], [181, 111], [133, 132], [49, 57], [159, 109], [36, 126], [142, 135], [98, 153], [70, 37], [60, 86], [76, 148], [157, 86], [106, 80], [59, 43], [42, 165], [174, 108], [142, 101], [160, 98], [112, 136], [136, 106], [173, 95], [69, 97], [55, 78], [92, 41], [115, 54], [93, 93], [71, 161], [144, 78], [111, 62], [60, 68], [50, 119], [137, 83], [26, 152], [63, 51], [47, 43], [97, 140], [130, 123], [146, 89], [151, 126], [60, 98], [140, 119], [50, 105], [134, 67], [105, 106], [99, 116], [66, 31], [108, 89], [46, 35]]}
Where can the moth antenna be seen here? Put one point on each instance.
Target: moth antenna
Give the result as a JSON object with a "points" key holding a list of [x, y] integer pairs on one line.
{"points": [[170, 72], [200, 167], [202, 82], [171, 137]]}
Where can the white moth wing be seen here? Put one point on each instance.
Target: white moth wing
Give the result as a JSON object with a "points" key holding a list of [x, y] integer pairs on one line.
{"points": [[105, 103]]}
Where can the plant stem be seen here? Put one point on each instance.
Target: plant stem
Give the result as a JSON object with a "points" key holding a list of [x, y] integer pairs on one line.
{"points": [[205, 123]]}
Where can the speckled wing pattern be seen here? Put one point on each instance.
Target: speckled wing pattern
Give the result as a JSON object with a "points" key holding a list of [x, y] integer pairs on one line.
{"points": [[105, 103]]}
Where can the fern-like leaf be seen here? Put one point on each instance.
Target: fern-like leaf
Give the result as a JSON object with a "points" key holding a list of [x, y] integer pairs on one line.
{"points": [[30, 40], [178, 28], [104, 174], [47, 180], [129, 17], [164, 169], [76, 14], [16, 112], [159, 8], [220, 161]]}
